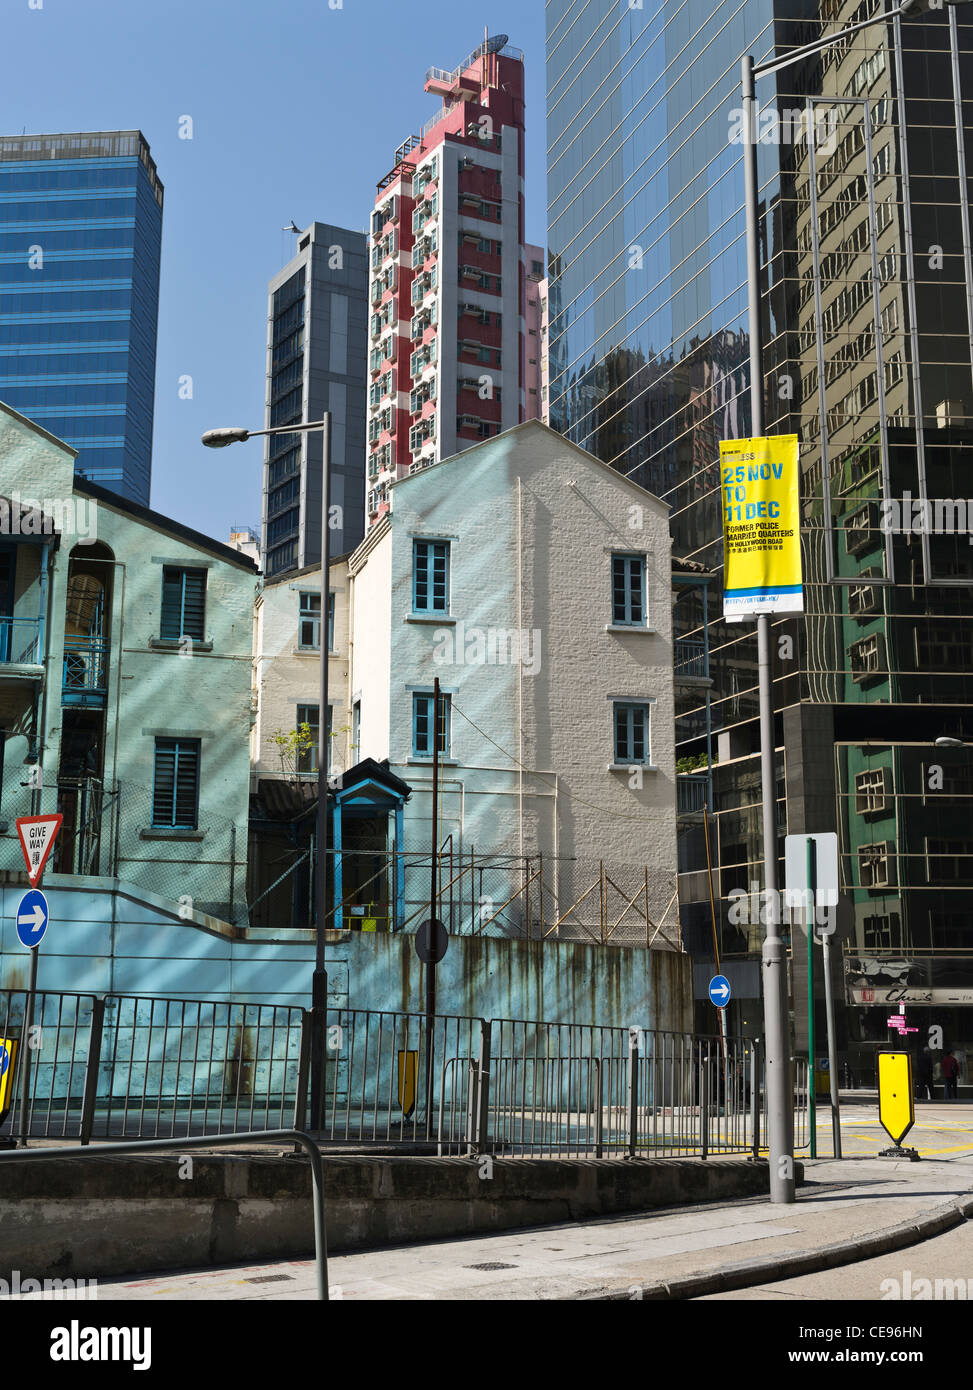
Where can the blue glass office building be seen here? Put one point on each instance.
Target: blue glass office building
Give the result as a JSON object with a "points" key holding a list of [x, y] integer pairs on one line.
{"points": [[865, 177], [80, 237]]}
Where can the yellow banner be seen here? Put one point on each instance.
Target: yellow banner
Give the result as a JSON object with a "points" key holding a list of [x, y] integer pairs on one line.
{"points": [[761, 526]]}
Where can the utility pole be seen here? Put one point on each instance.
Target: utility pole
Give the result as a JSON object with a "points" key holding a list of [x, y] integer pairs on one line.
{"points": [[780, 1097]]}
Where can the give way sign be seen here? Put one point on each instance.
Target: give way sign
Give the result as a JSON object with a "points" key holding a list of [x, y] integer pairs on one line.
{"points": [[37, 835]]}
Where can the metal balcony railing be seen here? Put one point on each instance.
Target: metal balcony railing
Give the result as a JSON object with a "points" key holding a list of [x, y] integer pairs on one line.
{"points": [[19, 640], [85, 679], [690, 792], [689, 659]]}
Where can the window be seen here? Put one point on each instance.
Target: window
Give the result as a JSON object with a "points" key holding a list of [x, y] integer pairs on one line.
{"points": [[873, 791], [628, 590], [175, 791], [307, 758], [867, 658], [422, 715], [631, 733], [356, 730], [876, 865], [330, 622], [183, 603], [430, 585], [882, 932], [309, 631]]}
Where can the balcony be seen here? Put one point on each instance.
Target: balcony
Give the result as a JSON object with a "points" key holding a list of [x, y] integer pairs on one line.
{"points": [[691, 790], [689, 661], [85, 679], [19, 645]]}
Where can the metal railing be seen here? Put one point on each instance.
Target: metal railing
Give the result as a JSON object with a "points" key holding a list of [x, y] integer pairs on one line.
{"points": [[151, 1067], [295, 1136], [689, 658], [85, 672], [390, 1079], [19, 640], [691, 792], [146, 1067]]}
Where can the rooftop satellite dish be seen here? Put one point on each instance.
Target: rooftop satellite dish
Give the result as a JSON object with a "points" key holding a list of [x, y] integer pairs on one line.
{"points": [[495, 44]]}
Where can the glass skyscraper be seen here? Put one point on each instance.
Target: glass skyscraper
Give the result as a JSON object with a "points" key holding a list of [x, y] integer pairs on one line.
{"points": [[865, 160], [80, 238]]}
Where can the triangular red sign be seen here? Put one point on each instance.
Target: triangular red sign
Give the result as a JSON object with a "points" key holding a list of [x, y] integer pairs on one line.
{"points": [[37, 836]]}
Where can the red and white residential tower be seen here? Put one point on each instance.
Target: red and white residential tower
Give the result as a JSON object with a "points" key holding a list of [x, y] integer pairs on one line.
{"points": [[448, 267]]}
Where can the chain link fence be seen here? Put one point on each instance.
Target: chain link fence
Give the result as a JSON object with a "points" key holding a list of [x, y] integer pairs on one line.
{"points": [[109, 831], [535, 897]]}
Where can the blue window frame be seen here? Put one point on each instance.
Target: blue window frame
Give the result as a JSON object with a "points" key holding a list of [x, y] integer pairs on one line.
{"points": [[631, 733], [430, 577], [309, 631], [175, 789], [422, 714], [628, 590], [307, 759], [183, 603]]}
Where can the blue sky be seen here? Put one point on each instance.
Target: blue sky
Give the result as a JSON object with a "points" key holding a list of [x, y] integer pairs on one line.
{"points": [[296, 108]]}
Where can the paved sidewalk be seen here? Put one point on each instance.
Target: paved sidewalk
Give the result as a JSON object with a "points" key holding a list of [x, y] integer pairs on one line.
{"points": [[848, 1199]]}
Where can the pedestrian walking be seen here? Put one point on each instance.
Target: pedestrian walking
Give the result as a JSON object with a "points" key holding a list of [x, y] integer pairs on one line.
{"points": [[926, 1089], [950, 1068]]}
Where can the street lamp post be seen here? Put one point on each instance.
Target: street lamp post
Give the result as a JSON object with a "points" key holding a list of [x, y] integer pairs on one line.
{"points": [[780, 1100], [219, 439]]}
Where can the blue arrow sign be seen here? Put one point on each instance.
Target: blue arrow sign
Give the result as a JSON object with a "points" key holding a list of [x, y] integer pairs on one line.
{"points": [[32, 918], [4, 1059], [719, 991]]}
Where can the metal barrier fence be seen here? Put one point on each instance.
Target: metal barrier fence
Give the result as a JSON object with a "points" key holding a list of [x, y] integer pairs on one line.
{"points": [[146, 1067], [388, 1079], [138, 1066], [205, 1141], [569, 1090]]}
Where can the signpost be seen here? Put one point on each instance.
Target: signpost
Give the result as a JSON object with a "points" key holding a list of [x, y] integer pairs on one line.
{"points": [[811, 881], [762, 575], [896, 1102], [37, 835], [33, 915]]}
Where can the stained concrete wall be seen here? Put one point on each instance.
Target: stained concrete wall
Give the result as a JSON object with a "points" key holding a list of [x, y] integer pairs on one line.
{"points": [[104, 938], [97, 1217]]}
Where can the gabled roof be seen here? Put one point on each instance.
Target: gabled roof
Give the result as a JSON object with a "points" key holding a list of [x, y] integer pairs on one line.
{"points": [[527, 426], [368, 770], [108, 498]]}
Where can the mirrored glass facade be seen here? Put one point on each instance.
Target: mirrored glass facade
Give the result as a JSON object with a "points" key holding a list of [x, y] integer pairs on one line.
{"points": [[80, 239], [865, 162]]}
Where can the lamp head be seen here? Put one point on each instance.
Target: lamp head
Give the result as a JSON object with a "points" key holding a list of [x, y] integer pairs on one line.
{"points": [[219, 439]]}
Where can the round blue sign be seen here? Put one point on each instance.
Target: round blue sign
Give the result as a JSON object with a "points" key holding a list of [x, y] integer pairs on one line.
{"points": [[32, 918], [719, 991]]}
